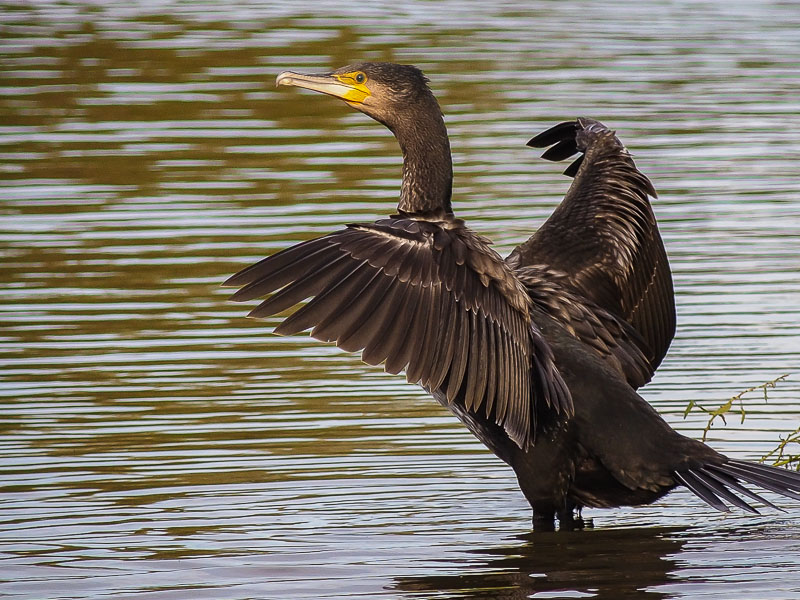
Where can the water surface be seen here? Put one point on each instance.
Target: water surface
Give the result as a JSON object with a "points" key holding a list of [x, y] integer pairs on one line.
{"points": [[157, 444]]}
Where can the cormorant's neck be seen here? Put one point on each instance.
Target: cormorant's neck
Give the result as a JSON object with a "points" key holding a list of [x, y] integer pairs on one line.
{"points": [[427, 165]]}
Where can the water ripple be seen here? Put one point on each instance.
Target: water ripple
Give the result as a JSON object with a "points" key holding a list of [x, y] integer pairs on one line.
{"points": [[157, 443]]}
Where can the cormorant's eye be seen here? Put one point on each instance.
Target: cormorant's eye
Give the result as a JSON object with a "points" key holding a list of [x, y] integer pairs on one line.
{"points": [[360, 78]]}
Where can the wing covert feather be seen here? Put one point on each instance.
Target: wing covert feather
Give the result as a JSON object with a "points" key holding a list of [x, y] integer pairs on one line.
{"points": [[615, 340]]}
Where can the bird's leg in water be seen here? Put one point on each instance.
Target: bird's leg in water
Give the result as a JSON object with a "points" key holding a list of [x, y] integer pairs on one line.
{"points": [[544, 520], [568, 519]]}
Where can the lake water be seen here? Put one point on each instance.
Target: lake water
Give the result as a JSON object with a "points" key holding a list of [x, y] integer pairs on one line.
{"points": [[156, 444]]}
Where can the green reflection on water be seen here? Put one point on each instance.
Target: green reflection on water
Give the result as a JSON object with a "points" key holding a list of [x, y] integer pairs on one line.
{"points": [[145, 157]]}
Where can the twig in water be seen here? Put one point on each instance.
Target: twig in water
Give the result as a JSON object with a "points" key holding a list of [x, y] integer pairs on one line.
{"points": [[780, 456], [726, 407]]}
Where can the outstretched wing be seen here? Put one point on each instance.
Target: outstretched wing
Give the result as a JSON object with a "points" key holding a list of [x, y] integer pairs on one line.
{"points": [[427, 297], [603, 240]]}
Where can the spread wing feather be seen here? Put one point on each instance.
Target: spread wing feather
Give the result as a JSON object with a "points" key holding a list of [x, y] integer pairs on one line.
{"points": [[427, 297], [616, 341], [603, 240]]}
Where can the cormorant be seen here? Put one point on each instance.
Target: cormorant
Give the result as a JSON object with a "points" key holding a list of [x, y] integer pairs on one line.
{"points": [[539, 355]]}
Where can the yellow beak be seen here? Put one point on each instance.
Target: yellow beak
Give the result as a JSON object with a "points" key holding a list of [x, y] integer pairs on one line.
{"points": [[333, 85]]}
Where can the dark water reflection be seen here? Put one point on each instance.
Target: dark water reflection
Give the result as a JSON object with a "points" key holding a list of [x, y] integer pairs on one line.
{"points": [[659, 562], [157, 444], [608, 564]]}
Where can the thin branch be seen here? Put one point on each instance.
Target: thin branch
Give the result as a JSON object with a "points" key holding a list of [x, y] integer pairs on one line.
{"points": [[780, 456], [725, 407]]}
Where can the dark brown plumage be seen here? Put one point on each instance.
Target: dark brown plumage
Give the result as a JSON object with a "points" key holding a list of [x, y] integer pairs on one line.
{"points": [[425, 296], [602, 241], [539, 355]]}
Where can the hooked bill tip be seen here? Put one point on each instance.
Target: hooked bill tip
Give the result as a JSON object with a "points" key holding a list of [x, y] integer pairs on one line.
{"points": [[284, 78]]}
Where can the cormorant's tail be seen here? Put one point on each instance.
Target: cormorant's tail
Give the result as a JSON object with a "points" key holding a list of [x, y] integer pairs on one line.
{"points": [[716, 483]]}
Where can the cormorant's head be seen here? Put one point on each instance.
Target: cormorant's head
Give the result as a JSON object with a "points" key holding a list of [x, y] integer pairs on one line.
{"points": [[387, 92]]}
